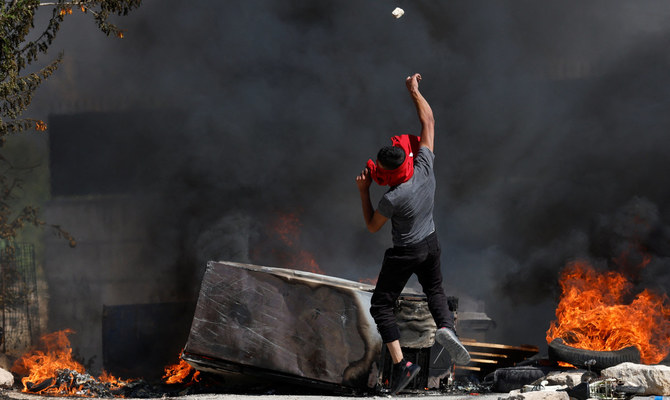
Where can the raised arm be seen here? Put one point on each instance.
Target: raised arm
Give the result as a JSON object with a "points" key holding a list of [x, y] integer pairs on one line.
{"points": [[423, 110]]}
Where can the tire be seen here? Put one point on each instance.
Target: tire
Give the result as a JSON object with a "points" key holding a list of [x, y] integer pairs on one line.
{"points": [[504, 380], [559, 351]]}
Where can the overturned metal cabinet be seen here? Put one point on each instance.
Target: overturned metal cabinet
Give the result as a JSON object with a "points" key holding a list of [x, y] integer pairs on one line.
{"points": [[280, 323]]}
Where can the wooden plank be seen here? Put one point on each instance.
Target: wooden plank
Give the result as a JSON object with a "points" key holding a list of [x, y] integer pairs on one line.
{"points": [[488, 357], [467, 368], [482, 345], [492, 355], [483, 361]]}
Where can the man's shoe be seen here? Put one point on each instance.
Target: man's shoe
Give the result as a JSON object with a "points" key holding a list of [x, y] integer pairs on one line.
{"points": [[403, 375], [447, 338]]}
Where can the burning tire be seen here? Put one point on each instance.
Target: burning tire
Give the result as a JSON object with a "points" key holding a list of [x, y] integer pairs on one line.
{"points": [[559, 351]]}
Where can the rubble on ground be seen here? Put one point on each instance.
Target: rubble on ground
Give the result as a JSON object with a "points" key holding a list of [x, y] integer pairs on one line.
{"points": [[540, 395], [565, 378], [6, 379], [623, 381], [655, 379]]}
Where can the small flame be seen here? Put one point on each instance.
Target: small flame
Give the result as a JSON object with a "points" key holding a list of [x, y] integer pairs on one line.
{"points": [[565, 364], [43, 366], [592, 314], [40, 126], [179, 372]]}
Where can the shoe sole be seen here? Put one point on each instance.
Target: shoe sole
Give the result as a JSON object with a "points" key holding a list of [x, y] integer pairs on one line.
{"points": [[459, 354]]}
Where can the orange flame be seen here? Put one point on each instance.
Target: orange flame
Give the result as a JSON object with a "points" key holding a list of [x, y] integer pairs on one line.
{"points": [[41, 366], [177, 373], [565, 364], [287, 227], [592, 314]]}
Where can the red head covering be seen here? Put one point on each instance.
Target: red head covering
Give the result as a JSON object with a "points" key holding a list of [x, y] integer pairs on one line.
{"points": [[392, 177]]}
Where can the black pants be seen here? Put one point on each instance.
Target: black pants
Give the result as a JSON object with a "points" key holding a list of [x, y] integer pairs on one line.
{"points": [[422, 259]]}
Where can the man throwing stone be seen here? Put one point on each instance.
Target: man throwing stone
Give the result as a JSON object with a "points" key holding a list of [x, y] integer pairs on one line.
{"points": [[407, 167]]}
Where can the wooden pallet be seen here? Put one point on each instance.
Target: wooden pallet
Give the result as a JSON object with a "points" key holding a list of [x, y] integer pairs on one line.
{"points": [[487, 357]]}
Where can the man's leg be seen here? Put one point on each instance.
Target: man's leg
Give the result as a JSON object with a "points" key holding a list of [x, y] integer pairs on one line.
{"points": [[395, 272], [429, 275], [395, 351], [391, 281]]}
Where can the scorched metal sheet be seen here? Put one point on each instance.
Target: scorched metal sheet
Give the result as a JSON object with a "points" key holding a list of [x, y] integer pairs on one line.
{"points": [[284, 323]]}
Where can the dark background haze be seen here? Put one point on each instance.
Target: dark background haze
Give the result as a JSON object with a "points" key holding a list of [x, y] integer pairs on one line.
{"points": [[552, 132]]}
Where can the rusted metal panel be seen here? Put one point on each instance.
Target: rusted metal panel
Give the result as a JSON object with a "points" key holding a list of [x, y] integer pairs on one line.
{"points": [[284, 323]]}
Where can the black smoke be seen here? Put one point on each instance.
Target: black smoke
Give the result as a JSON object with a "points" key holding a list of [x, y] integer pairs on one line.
{"points": [[551, 119]]}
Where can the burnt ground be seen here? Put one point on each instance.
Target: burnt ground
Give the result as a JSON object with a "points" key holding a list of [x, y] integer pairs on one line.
{"points": [[17, 395], [214, 388]]}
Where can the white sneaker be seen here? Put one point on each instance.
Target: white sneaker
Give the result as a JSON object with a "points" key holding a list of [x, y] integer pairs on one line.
{"points": [[447, 338]]}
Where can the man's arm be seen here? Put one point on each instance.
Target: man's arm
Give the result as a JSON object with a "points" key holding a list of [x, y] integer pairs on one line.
{"points": [[423, 110], [373, 219]]}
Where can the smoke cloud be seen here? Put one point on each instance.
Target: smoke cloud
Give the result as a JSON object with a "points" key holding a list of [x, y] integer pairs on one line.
{"points": [[551, 144]]}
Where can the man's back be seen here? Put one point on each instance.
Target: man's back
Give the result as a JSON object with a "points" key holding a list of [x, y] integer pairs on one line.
{"points": [[410, 204]]}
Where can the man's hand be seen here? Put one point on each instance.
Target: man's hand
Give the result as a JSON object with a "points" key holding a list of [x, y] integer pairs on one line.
{"points": [[363, 180], [423, 110], [412, 82]]}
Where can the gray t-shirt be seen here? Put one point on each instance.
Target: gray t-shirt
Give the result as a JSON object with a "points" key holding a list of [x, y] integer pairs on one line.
{"points": [[410, 204]]}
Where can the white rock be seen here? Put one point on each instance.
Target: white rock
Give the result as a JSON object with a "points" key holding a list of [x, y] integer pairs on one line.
{"points": [[538, 395], [398, 12], [655, 379], [567, 378], [6, 379], [531, 388]]}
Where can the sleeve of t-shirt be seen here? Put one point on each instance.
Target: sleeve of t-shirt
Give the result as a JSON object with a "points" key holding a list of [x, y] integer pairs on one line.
{"points": [[385, 207], [424, 159]]}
